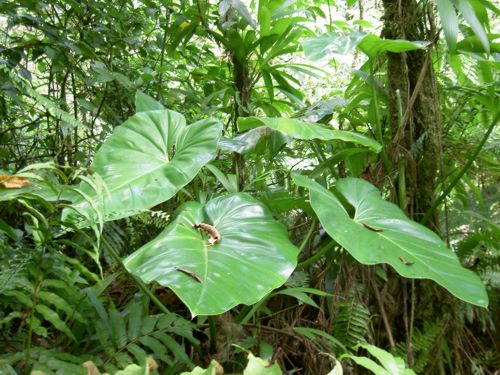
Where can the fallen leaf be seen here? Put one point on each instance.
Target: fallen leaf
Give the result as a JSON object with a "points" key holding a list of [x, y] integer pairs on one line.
{"points": [[13, 182], [91, 368]]}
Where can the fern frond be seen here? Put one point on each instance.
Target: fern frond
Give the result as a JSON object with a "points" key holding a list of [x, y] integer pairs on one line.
{"points": [[13, 266], [298, 279], [128, 337], [491, 277], [47, 294], [50, 361], [352, 322], [417, 148], [424, 342], [115, 236], [159, 219]]}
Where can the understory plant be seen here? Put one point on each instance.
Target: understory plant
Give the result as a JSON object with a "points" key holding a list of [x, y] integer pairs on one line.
{"points": [[252, 213]]}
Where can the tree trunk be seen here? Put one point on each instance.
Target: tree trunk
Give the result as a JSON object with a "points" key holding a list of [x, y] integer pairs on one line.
{"points": [[242, 85], [414, 109]]}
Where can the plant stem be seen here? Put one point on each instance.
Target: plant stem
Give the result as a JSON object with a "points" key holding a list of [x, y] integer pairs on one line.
{"points": [[319, 254], [307, 238], [465, 168], [384, 315], [378, 124], [36, 291], [137, 280], [212, 327]]}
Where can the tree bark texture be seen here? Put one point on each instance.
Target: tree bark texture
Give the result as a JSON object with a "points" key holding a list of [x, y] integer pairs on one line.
{"points": [[414, 109]]}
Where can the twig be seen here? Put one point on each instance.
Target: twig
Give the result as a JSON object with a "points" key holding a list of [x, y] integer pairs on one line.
{"points": [[319, 254], [297, 225], [384, 315], [308, 236], [413, 98]]}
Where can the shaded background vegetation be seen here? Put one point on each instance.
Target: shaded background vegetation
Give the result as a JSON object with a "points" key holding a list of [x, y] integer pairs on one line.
{"points": [[69, 72]]}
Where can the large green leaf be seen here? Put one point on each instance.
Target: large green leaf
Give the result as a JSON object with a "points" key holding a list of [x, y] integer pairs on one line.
{"points": [[307, 130], [146, 161], [470, 16], [259, 366], [252, 257], [144, 103], [372, 45], [449, 20], [249, 142], [331, 44], [390, 365], [380, 232]]}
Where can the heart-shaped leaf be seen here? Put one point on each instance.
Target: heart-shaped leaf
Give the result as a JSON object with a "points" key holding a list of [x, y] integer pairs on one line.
{"points": [[248, 256], [307, 130], [380, 232], [145, 103], [146, 161]]}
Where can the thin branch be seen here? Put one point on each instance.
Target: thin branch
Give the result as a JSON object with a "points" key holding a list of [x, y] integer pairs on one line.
{"points": [[384, 316], [413, 98]]}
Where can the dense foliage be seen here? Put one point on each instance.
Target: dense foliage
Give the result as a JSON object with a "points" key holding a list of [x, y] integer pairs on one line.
{"points": [[257, 187]]}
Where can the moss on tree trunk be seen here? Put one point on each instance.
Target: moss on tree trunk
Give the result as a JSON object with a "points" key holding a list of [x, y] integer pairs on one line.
{"points": [[418, 145]]}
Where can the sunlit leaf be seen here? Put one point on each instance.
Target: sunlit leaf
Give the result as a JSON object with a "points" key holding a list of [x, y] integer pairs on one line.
{"points": [[470, 16], [252, 256], [331, 44], [390, 365], [307, 131], [144, 103], [146, 161], [449, 20], [259, 366], [373, 45], [379, 232]]}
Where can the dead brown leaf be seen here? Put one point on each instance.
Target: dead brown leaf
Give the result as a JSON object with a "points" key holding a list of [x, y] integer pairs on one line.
{"points": [[13, 182]]}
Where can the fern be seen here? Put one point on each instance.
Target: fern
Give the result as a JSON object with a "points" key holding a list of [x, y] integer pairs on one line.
{"points": [[116, 237], [54, 109], [417, 148], [424, 342], [158, 219], [298, 279], [129, 336], [491, 277], [144, 226], [352, 322], [49, 361], [45, 291], [466, 246], [13, 265]]}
